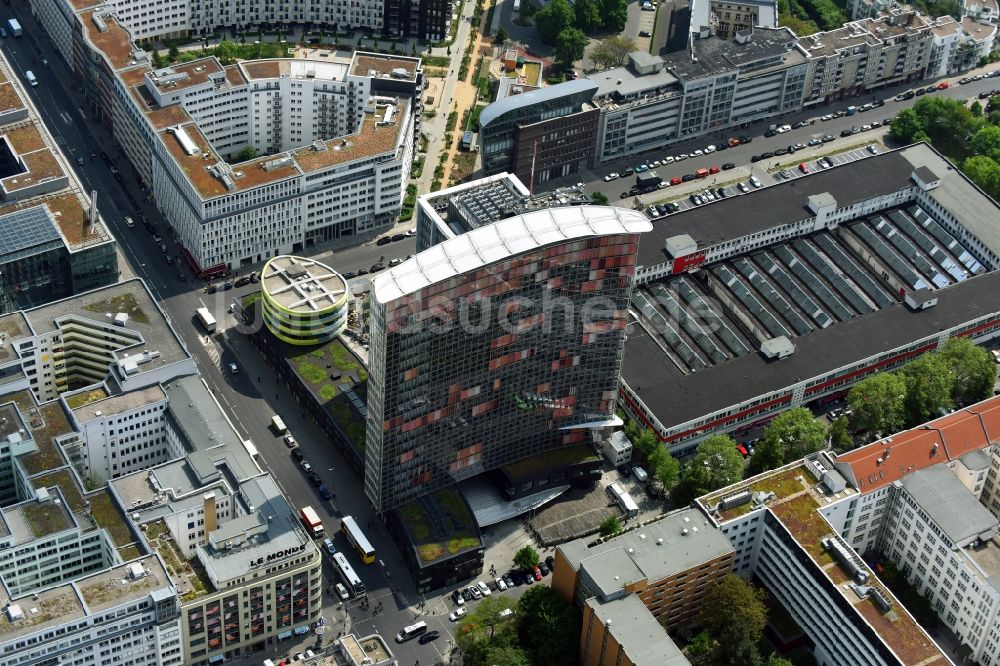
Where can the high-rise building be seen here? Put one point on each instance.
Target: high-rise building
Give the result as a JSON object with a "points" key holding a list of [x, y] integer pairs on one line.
{"points": [[496, 345]]}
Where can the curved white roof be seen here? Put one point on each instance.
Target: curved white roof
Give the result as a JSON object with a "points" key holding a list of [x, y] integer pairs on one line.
{"points": [[503, 239]]}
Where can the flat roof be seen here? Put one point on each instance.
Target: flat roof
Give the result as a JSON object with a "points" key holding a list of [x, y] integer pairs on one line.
{"points": [[40, 166], [370, 140], [777, 205], [118, 404], [623, 81], [506, 238], [677, 542], [184, 75], [302, 286], [118, 585], [101, 305], [955, 510], [66, 211], [10, 100], [644, 640], [53, 607], [676, 398], [114, 41], [377, 66]]}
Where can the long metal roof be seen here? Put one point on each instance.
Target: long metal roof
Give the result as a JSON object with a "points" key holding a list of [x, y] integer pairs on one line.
{"points": [[503, 239], [500, 107]]}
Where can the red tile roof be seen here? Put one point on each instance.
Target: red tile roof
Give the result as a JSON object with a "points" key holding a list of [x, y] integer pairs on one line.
{"points": [[880, 463]]}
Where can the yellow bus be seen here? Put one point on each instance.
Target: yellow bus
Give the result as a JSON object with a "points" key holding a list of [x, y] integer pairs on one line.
{"points": [[357, 539]]}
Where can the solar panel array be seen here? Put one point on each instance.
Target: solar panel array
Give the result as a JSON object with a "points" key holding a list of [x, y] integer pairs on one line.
{"points": [[712, 319], [660, 324], [930, 248], [887, 255], [773, 298], [28, 228], [705, 343], [861, 278], [792, 288], [833, 275], [906, 249], [830, 302], [750, 302], [946, 239]]}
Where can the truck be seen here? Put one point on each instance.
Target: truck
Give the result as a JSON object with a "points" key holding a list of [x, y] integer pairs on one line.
{"points": [[702, 173], [278, 425], [647, 181], [312, 523], [15, 27], [206, 319]]}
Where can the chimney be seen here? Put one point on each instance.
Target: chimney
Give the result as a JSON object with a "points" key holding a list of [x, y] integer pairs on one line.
{"points": [[92, 211], [210, 517]]}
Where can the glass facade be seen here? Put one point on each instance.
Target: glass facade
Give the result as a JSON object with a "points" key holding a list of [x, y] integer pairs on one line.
{"points": [[49, 271], [494, 365]]}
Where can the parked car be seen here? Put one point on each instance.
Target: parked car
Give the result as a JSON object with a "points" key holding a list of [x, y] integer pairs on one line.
{"points": [[457, 597], [395, 262], [384, 240], [484, 588], [457, 614], [349, 274], [550, 562], [298, 455], [743, 188], [538, 573], [507, 578], [314, 478], [397, 237], [306, 467], [325, 494], [290, 441], [329, 547], [727, 166], [476, 592], [501, 585], [803, 167], [377, 267], [754, 181], [611, 176]]}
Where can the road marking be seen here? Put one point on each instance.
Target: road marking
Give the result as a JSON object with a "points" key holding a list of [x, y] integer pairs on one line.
{"points": [[65, 118]]}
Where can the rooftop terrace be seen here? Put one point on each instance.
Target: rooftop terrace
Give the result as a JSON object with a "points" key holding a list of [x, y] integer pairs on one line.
{"points": [[371, 140], [117, 585], [188, 576], [114, 40], [461, 532], [379, 66]]}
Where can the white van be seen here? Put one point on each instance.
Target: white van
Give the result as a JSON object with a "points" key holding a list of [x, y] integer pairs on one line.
{"points": [[30, 76], [410, 632], [278, 424]]}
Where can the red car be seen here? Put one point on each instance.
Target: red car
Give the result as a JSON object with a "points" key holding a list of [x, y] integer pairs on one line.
{"points": [[943, 85], [538, 573], [734, 142], [676, 180], [803, 168], [714, 169]]}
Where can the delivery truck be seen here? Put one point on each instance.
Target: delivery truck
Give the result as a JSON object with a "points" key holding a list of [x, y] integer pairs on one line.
{"points": [[311, 521], [206, 319], [278, 425], [15, 27]]}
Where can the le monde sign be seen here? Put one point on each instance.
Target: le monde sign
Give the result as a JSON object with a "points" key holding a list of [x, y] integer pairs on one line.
{"points": [[277, 555]]}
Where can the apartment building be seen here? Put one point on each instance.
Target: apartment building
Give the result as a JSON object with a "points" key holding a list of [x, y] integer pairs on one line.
{"points": [[621, 631], [669, 565], [336, 137], [55, 242], [533, 379], [754, 290]]}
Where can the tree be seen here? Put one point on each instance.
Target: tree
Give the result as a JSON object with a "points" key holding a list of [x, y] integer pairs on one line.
{"points": [[571, 44], [734, 615], [906, 125], [790, 435], [615, 13], [984, 172], [715, 464], [508, 655], [928, 388], [246, 153], [612, 51], [775, 660], [644, 443], [501, 37], [552, 19], [599, 198], [976, 108], [610, 526], [986, 142], [487, 624], [972, 370], [664, 467], [878, 403], [157, 58], [549, 627], [172, 51], [226, 52], [526, 559], [840, 436], [588, 15]]}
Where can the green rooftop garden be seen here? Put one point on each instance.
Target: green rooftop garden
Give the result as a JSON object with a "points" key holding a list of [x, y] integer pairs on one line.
{"points": [[800, 516], [101, 592], [64, 480], [49, 608], [86, 397], [106, 514], [11, 326], [461, 531], [188, 575], [46, 422], [129, 552], [782, 484], [561, 457], [126, 303], [45, 519]]}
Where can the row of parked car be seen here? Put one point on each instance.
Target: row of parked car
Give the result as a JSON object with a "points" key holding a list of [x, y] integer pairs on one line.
{"points": [[670, 159], [792, 149], [512, 578]]}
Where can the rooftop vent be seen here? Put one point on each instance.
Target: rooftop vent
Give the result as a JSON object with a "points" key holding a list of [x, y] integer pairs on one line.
{"points": [[121, 318], [320, 145], [278, 163], [189, 146], [14, 613]]}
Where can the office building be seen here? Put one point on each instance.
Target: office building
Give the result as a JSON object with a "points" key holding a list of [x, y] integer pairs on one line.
{"points": [[727, 18], [669, 565], [335, 137], [850, 271], [136, 522], [53, 242], [511, 132], [450, 397], [621, 631], [304, 302]]}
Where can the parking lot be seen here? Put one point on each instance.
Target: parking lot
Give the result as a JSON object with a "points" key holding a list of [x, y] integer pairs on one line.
{"points": [[812, 166]]}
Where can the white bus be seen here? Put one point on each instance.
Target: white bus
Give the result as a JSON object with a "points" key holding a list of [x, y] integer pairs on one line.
{"points": [[411, 631], [347, 574], [357, 538]]}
